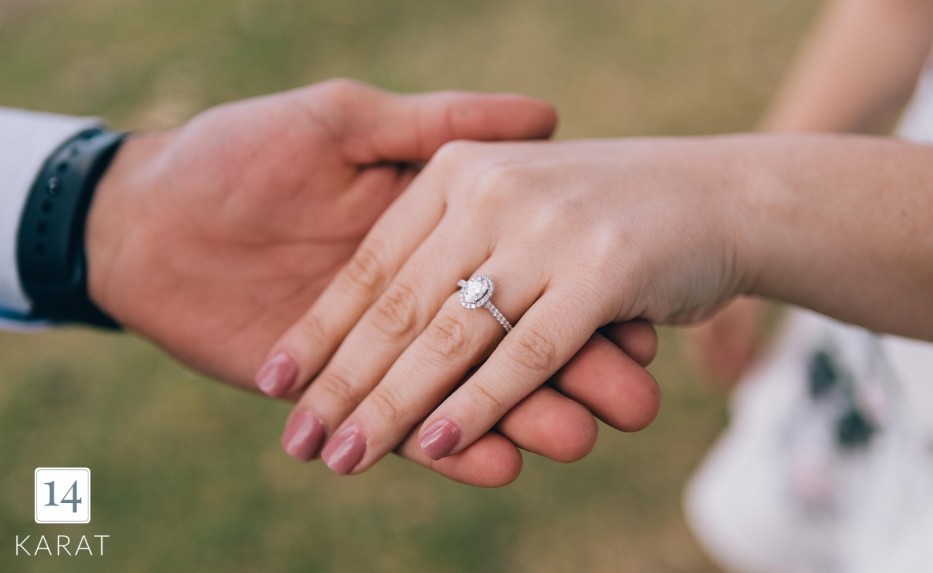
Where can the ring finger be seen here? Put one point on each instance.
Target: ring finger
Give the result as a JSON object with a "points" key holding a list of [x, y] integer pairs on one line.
{"points": [[453, 342]]}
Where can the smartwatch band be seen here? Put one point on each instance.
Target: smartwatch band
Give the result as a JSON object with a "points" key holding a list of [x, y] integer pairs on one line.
{"points": [[50, 244]]}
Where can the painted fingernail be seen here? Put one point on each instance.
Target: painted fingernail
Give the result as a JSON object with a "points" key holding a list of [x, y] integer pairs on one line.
{"points": [[440, 438], [303, 435], [277, 374], [344, 450]]}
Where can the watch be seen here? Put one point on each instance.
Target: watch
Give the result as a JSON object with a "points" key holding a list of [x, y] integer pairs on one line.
{"points": [[50, 251]]}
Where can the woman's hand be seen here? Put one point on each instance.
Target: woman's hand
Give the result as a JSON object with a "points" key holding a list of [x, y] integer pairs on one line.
{"points": [[575, 235]]}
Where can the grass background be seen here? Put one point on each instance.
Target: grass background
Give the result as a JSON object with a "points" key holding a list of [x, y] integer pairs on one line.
{"points": [[188, 475]]}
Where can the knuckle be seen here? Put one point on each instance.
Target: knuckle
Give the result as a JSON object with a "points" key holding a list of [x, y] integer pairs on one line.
{"points": [[339, 87], [396, 312], [452, 158], [446, 337], [452, 152], [310, 330], [337, 386], [499, 184], [486, 399], [364, 269], [533, 351], [388, 404]]}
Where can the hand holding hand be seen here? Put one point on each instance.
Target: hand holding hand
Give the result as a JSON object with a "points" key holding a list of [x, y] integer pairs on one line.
{"points": [[576, 236], [211, 239]]}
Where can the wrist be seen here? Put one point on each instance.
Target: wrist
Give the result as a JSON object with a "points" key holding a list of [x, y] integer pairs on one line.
{"points": [[116, 220], [749, 196], [782, 212]]}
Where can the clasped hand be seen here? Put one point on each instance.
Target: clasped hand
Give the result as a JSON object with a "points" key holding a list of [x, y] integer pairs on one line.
{"points": [[213, 238], [563, 230]]}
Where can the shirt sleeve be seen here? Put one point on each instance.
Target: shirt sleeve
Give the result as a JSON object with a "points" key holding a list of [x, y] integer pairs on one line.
{"points": [[27, 139]]}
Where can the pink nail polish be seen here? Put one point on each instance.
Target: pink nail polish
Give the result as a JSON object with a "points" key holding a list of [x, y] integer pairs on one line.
{"points": [[303, 435], [345, 450], [277, 375], [440, 438]]}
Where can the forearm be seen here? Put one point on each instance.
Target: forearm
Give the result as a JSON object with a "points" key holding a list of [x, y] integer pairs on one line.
{"points": [[841, 225], [859, 65]]}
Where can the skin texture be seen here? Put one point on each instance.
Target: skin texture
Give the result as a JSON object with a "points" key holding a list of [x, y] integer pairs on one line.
{"points": [[858, 67], [229, 227], [582, 234]]}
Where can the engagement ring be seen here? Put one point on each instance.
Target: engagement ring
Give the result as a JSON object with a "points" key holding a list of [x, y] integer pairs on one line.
{"points": [[476, 293]]}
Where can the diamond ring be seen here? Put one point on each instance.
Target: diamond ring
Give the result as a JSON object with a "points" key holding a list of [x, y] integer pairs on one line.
{"points": [[476, 293]]}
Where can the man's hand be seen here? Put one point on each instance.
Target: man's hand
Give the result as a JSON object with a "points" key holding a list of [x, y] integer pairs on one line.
{"points": [[211, 239]]}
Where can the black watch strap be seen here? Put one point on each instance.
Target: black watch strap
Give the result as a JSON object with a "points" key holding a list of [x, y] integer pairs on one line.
{"points": [[50, 243]]}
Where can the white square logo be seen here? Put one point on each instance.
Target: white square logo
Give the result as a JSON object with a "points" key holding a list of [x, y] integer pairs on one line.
{"points": [[63, 495]]}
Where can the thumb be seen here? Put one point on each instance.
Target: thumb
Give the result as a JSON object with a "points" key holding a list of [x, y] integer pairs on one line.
{"points": [[383, 126]]}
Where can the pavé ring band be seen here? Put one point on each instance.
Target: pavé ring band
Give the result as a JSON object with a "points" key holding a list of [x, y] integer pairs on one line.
{"points": [[476, 293]]}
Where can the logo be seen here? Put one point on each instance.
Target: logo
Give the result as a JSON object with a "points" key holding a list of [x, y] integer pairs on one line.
{"points": [[63, 495]]}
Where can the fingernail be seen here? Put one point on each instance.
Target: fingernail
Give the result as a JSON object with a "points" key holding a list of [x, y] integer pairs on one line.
{"points": [[302, 436], [277, 374], [344, 450], [440, 438]]}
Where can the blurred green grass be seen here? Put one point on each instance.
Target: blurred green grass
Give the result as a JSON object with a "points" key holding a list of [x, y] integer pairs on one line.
{"points": [[188, 475]]}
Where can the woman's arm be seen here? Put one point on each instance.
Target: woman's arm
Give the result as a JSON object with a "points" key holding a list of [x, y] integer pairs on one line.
{"points": [[861, 61], [841, 225]]}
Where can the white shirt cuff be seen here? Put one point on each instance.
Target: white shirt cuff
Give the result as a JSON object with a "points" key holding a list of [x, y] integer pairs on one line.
{"points": [[27, 139]]}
